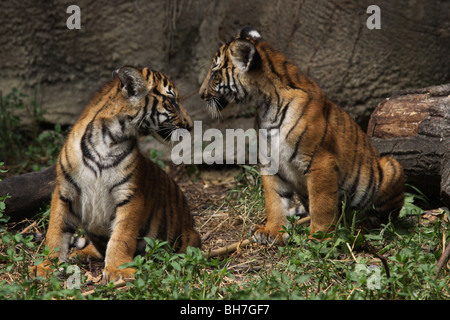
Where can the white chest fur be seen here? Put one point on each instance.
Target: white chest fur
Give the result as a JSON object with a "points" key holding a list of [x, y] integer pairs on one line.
{"points": [[96, 204], [99, 182]]}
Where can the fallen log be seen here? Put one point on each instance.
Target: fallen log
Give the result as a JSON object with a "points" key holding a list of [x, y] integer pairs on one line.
{"points": [[28, 193], [414, 127]]}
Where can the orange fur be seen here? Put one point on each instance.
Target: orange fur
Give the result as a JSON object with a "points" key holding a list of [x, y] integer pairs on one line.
{"points": [[107, 187], [323, 152]]}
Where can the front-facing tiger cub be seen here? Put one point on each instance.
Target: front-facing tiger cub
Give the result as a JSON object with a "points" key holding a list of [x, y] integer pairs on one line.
{"points": [[323, 152], [106, 186]]}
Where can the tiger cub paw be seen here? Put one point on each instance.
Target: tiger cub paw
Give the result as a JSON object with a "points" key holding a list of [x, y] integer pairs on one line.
{"points": [[114, 274], [264, 235], [42, 270]]}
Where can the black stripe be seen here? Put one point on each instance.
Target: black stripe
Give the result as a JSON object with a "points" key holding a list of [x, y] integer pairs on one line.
{"points": [[86, 151], [242, 87], [121, 156], [368, 192], [360, 164], [283, 179], [327, 114], [69, 229], [297, 145], [288, 76], [357, 177], [123, 181], [280, 108], [154, 110], [157, 92], [226, 78], [122, 124], [237, 84], [279, 104], [355, 154], [392, 177], [266, 106], [269, 61], [300, 116], [144, 113], [225, 56], [69, 204], [107, 132], [327, 111], [69, 178], [63, 199], [147, 76], [283, 113], [124, 202], [285, 194], [99, 242]]}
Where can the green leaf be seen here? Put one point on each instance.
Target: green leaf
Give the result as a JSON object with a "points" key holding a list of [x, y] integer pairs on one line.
{"points": [[176, 266]]}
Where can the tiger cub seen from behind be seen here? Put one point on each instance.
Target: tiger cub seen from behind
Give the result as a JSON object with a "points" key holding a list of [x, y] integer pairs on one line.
{"points": [[106, 186], [324, 154]]}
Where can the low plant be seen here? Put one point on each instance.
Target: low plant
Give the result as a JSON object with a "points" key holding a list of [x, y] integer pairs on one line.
{"points": [[24, 145]]}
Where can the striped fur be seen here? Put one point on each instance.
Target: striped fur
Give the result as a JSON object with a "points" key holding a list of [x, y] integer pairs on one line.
{"points": [[107, 187], [324, 154]]}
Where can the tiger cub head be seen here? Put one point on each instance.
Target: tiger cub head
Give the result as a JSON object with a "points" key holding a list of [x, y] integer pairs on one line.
{"points": [[230, 75], [152, 103]]}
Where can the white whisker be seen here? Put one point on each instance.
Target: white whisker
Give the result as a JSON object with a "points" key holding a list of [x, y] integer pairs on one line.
{"points": [[213, 107]]}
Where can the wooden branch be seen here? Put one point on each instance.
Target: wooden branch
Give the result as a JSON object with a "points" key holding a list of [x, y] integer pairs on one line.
{"points": [[117, 284], [443, 259], [241, 244], [228, 249]]}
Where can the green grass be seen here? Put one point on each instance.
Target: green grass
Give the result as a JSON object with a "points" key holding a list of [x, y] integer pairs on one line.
{"points": [[338, 268]]}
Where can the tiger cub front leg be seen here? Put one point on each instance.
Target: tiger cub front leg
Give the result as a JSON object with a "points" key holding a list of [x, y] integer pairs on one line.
{"points": [[58, 235], [122, 244], [322, 185], [277, 196]]}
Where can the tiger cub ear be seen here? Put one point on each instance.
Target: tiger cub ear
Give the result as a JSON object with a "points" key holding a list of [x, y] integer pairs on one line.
{"points": [[242, 54], [249, 33], [134, 84]]}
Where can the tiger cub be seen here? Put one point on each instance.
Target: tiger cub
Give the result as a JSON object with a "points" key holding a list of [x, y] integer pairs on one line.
{"points": [[324, 154], [107, 187]]}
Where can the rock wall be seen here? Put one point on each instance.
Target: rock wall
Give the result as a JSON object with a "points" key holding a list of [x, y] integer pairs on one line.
{"points": [[329, 40]]}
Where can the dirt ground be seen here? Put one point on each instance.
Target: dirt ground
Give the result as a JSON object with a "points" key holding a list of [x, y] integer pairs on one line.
{"points": [[206, 194], [218, 222], [206, 190]]}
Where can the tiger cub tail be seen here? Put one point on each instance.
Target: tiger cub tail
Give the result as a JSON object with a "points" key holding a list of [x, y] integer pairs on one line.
{"points": [[390, 197]]}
